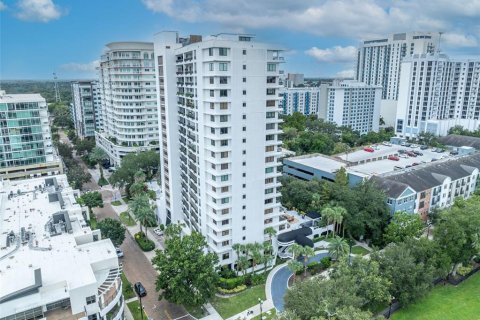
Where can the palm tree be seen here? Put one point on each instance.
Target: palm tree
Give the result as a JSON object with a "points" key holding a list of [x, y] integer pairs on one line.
{"points": [[295, 266], [236, 247], [328, 213], [307, 253], [338, 248], [143, 211], [243, 264], [267, 254], [296, 250], [271, 232], [338, 215], [255, 254]]}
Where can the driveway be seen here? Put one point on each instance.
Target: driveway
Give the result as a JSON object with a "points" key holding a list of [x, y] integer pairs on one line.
{"points": [[280, 282]]}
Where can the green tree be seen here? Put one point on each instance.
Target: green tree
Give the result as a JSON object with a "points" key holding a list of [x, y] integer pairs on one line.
{"points": [[138, 186], [307, 253], [98, 155], [186, 269], [112, 229], [328, 214], [341, 177], [64, 150], [338, 248], [295, 266], [143, 211], [77, 177], [295, 120], [146, 161], [84, 146], [271, 232], [91, 200], [403, 225], [61, 114], [296, 250]]}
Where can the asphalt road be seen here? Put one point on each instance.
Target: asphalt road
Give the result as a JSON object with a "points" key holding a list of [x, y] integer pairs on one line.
{"points": [[135, 264]]}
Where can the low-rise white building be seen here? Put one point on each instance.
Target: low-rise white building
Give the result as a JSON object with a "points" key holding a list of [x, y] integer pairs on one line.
{"points": [[52, 265]]}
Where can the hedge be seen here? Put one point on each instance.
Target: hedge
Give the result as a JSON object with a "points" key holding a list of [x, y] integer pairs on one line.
{"points": [[144, 243], [231, 283], [238, 289]]}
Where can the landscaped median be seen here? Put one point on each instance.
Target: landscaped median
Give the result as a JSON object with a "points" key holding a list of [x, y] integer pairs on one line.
{"points": [[230, 306], [143, 242], [127, 219], [134, 307], [446, 302]]}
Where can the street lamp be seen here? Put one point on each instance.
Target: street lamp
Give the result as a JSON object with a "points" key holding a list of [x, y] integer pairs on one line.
{"points": [[429, 224], [141, 306], [390, 308], [260, 301], [350, 244]]}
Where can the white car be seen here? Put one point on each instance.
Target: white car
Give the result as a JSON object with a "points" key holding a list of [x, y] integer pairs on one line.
{"points": [[119, 252], [388, 144], [158, 232]]}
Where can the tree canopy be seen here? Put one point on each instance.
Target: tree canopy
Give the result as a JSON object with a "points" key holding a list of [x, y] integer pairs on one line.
{"points": [[91, 200], [402, 226], [145, 161], [112, 229], [187, 274]]}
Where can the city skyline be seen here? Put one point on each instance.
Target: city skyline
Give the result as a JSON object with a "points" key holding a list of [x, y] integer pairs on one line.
{"points": [[68, 37]]}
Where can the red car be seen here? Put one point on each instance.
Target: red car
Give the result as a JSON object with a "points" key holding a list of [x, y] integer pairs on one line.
{"points": [[368, 149], [411, 154], [394, 158]]}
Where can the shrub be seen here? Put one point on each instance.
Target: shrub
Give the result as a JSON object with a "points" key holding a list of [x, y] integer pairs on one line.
{"points": [[248, 280], [227, 273], [162, 227], [326, 262], [238, 289], [258, 279], [143, 242], [231, 283], [314, 267], [463, 271]]}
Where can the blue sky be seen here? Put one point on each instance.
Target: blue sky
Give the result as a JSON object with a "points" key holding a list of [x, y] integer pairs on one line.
{"points": [[38, 37]]}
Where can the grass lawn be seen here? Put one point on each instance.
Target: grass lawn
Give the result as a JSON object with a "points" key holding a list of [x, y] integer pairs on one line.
{"points": [[93, 221], [359, 250], [446, 302], [267, 315], [116, 203], [134, 307], [127, 288], [228, 307], [127, 219]]}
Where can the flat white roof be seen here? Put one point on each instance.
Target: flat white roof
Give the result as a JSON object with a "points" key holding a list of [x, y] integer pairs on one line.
{"points": [[319, 161], [23, 97], [67, 261]]}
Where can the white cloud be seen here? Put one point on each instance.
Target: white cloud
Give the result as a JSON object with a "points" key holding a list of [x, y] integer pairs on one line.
{"points": [[345, 74], [81, 67], [459, 40], [2, 6], [355, 19], [38, 10], [335, 54]]}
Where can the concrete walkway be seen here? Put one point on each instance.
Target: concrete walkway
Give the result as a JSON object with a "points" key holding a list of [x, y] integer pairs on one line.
{"points": [[255, 311]]}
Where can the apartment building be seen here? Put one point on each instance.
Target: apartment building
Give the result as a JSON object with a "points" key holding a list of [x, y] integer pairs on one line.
{"points": [[52, 265], [26, 148], [219, 123], [86, 108], [303, 100], [435, 185], [128, 100], [379, 63], [437, 93], [351, 103], [294, 79]]}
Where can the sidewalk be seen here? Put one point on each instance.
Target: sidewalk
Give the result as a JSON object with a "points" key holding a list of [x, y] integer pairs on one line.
{"points": [[266, 306]]}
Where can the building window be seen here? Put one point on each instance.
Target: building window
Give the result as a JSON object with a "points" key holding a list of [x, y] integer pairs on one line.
{"points": [[91, 299], [244, 67], [224, 177], [223, 93], [223, 118], [244, 92], [271, 67], [210, 67], [223, 80], [244, 52], [225, 256], [244, 79], [223, 66], [212, 80], [212, 93], [210, 52], [222, 51]]}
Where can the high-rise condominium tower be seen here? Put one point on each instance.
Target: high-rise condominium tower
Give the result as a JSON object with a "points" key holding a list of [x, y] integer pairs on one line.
{"points": [[129, 101], [219, 123], [437, 93], [379, 61], [86, 108]]}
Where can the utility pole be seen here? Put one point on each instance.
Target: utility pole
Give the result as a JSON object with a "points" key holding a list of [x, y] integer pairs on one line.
{"points": [[57, 93]]}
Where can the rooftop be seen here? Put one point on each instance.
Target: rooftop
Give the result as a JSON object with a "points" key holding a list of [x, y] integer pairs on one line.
{"points": [[455, 140], [42, 228], [21, 97]]}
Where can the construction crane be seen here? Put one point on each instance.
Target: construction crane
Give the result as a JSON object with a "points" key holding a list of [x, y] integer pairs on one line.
{"points": [[57, 93]]}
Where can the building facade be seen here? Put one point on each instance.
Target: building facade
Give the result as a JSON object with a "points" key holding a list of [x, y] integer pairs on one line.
{"points": [[53, 266], [303, 100], [295, 79], [128, 100], [86, 108], [26, 148], [219, 120], [352, 104], [379, 63], [437, 93]]}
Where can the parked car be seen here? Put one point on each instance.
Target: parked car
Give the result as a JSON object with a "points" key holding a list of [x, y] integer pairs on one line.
{"points": [[394, 158], [415, 164], [408, 144], [140, 289], [434, 159], [424, 147], [413, 146], [119, 252], [388, 144], [158, 232], [418, 153], [439, 150], [402, 151], [368, 149], [411, 154], [403, 155], [454, 153]]}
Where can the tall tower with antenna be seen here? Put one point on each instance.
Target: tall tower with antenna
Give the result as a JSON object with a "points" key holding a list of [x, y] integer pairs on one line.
{"points": [[57, 93]]}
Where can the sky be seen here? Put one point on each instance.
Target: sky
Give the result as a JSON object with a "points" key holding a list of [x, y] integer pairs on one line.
{"points": [[39, 37]]}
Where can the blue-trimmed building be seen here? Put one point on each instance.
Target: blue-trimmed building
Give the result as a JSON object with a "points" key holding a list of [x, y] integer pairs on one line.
{"points": [[304, 100]]}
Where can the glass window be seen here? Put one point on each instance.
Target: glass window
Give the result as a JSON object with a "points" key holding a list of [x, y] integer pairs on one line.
{"points": [[222, 51], [223, 66]]}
